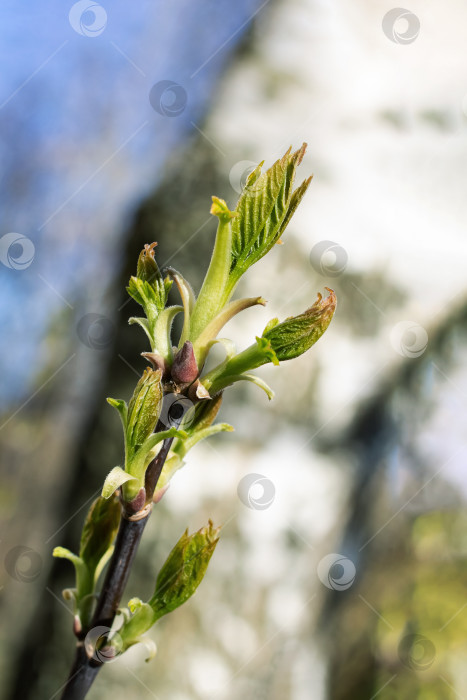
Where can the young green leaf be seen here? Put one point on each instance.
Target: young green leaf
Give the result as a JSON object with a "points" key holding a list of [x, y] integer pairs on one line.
{"points": [[229, 379], [205, 415], [188, 300], [141, 621], [64, 553], [114, 479], [148, 287], [144, 408], [162, 332], [279, 342], [184, 569], [297, 334], [99, 530], [122, 409], [143, 322], [183, 446], [98, 533], [263, 211], [178, 579], [149, 290]]}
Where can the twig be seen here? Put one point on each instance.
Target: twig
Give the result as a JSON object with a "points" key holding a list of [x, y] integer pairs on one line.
{"points": [[84, 669]]}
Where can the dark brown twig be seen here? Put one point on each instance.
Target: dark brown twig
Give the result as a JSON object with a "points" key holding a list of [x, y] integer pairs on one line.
{"points": [[84, 669]]}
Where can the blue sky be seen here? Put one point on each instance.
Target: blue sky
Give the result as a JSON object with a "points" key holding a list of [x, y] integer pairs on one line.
{"points": [[81, 143]]}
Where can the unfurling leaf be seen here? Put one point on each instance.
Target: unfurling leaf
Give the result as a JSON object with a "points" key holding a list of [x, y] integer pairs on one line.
{"points": [[178, 579], [205, 415], [114, 479], [149, 290], [162, 332], [232, 379], [188, 301], [122, 409], [64, 553], [199, 435], [147, 268], [279, 342], [155, 288], [99, 531], [297, 334], [184, 569], [264, 209], [144, 408]]}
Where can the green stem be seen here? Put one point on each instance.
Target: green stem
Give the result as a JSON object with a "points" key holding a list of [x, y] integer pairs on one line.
{"points": [[209, 301]]}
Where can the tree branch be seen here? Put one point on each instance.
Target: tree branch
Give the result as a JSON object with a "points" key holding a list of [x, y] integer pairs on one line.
{"points": [[84, 669]]}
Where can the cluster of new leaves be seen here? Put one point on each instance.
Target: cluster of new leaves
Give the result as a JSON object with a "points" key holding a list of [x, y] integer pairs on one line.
{"points": [[178, 579], [174, 403], [98, 534]]}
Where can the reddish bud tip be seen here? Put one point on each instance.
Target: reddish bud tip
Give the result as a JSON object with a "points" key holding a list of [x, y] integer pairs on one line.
{"points": [[185, 368]]}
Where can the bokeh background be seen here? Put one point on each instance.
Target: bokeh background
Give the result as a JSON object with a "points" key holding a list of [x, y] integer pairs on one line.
{"points": [[341, 570]]}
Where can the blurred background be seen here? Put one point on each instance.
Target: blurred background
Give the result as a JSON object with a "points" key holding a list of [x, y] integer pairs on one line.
{"points": [[341, 570]]}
